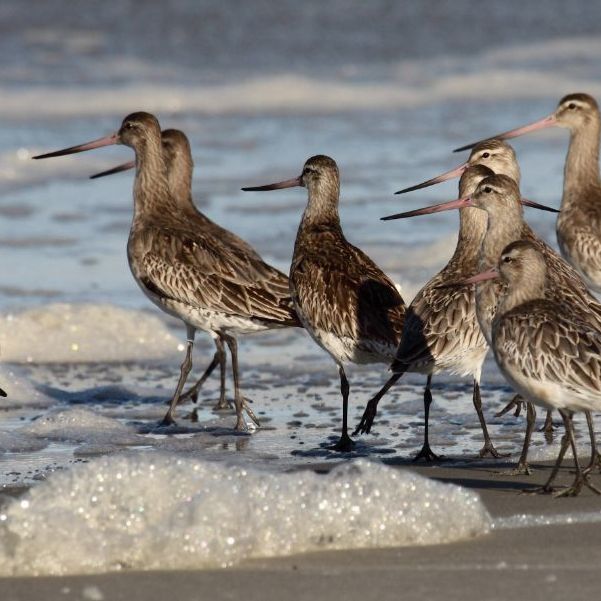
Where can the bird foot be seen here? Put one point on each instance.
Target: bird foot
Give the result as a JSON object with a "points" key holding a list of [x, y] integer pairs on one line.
{"points": [[250, 412], [241, 425], [367, 419], [427, 454], [582, 479], [167, 421], [344, 445], [539, 490], [521, 469], [223, 404], [489, 449], [516, 405], [191, 394]]}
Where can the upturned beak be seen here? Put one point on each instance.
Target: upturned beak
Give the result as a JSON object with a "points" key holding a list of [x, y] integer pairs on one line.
{"points": [[460, 203], [443, 177], [289, 183], [117, 169], [548, 121], [489, 274], [99, 143]]}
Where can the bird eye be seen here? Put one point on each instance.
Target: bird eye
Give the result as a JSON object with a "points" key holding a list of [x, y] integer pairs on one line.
{"points": [[485, 155], [488, 189], [571, 105], [507, 259], [129, 125]]}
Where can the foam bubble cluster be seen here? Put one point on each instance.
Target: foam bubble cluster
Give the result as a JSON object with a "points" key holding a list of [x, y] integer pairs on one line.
{"points": [[161, 511], [75, 333]]}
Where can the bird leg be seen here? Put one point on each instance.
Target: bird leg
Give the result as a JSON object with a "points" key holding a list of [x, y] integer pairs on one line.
{"points": [[547, 488], [426, 452], [344, 444], [582, 479], [239, 400], [514, 405], [185, 368], [595, 457], [371, 410], [548, 428], [488, 448], [522, 468], [219, 358]]}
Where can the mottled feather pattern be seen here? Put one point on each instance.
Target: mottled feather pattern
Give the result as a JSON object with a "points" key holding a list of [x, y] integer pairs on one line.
{"points": [[541, 340], [340, 290], [564, 281], [195, 268]]}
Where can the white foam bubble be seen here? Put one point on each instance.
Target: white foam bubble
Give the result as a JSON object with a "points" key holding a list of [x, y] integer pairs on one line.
{"points": [[76, 333], [159, 511], [83, 425]]}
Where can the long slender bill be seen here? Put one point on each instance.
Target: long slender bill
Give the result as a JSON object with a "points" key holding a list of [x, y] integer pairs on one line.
{"points": [[489, 274], [548, 121], [99, 143], [536, 205], [117, 169], [460, 203], [443, 177], [289, 183]]}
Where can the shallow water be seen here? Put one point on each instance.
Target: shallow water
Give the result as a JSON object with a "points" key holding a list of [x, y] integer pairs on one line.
{"points": [[89, 364]]}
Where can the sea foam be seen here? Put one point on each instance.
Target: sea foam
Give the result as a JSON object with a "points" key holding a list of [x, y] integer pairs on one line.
{"points": [[77, 333], [166, 512]]}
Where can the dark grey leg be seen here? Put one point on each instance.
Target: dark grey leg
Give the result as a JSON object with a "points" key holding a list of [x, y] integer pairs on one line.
{"points": [[239, 400], [595, 458], [548, 427], [371, 410], [219, 358], [185, 368], [345, 444], [488, 448], [522, 466], [514, 405], [426, 452]]}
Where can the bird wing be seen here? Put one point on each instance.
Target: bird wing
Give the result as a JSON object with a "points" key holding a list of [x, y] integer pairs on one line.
{"points": [[202, 271], [547, 342], [342, 291], [440, 322]]}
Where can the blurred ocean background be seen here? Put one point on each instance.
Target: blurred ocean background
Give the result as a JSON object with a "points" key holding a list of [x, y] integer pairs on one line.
{"points": [[386, 88]]}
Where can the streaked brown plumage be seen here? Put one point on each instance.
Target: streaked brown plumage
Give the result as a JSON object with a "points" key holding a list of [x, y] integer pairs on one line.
{"points": [[184, 270], [441, 330], [344, 300], [579, 222], [543, 347]]}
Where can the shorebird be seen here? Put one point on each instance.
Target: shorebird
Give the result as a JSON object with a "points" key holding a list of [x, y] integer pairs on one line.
{"points": [[441, 330], [544, 349], [501, 158], [579, 222], [350, 308], [500, 197], [187, 273], [179, 165]]}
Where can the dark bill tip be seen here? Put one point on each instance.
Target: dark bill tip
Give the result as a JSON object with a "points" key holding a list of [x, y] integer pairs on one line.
{"points": [[117, 169], [289, 183]]}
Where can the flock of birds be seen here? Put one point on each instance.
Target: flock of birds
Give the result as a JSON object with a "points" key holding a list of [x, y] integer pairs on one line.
{"points": [[504, 288]]}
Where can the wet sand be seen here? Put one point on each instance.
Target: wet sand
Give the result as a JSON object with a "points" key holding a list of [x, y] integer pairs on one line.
{"points": [[547, 562]]}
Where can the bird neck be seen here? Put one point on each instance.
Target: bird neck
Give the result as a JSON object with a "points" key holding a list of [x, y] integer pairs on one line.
{"points": [[322, 206], [151, 188], [582, 163], [472, 229], [526, 291], [501, 231], [180, 183]]}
